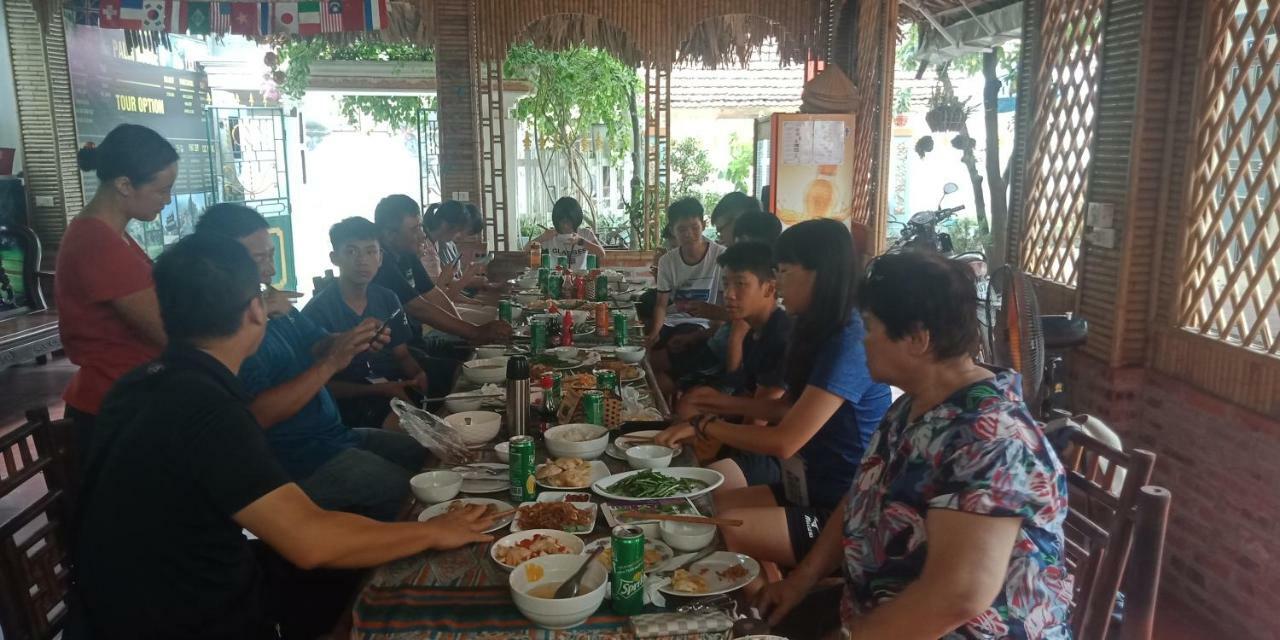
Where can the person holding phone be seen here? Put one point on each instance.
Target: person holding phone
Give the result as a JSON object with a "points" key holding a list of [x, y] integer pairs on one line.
{"points": [[568, 238], [365, 388]]}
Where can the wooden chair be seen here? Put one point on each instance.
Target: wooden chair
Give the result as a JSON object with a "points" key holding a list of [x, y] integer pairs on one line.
{"points": [[1100, 525], [1142, 578], [34, 550]]}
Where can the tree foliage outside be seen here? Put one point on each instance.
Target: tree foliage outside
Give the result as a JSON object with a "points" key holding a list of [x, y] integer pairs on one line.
{"points": [[691, 169], [741, 157], [576, 93], [397, 112]]}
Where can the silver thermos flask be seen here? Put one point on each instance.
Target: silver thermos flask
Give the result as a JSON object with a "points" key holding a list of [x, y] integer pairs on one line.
{"points": [[517, 396]]}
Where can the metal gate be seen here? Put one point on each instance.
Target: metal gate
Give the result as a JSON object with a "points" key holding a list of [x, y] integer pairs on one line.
{"points": [[249, 165], [429, 156]]}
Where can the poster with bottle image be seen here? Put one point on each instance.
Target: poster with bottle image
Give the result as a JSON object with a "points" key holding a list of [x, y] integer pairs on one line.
{"points": [[811, 167]]}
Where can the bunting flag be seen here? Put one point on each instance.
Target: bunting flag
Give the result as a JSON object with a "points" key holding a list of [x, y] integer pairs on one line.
{"points": [[309, 22], [199, 20], [206, 17]]}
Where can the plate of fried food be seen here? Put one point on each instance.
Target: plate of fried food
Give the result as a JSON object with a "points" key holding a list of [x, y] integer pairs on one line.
{"points": [[516, 548], [655, 553], [571, 517], [720, 572], [570, 473], [492, 507], [626, 372]]}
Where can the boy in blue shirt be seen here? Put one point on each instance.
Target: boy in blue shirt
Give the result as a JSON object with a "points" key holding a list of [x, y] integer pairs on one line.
{"points": [[365, 388]]}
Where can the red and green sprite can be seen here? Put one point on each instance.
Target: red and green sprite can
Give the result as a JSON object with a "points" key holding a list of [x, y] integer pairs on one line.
{"points": [[524, 487], [537, 336], [606, 379], [619, 329], [593, 407], [593, 261], [544, 274], [546, 259], [628, 570], [555, 284], [504, 311]]}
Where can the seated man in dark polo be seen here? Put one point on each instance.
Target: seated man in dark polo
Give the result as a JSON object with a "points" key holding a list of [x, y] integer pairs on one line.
{"points": [[365, 388], [443, 329], [363, 471], [179, 466]]}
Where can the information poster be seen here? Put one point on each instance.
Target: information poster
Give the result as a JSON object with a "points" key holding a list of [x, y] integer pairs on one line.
{"points": [[112, 86], [812, 168]]}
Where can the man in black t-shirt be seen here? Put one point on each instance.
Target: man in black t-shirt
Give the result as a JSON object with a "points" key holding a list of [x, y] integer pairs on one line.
{"points": [[397, 217], [178, 467], [755, 353]]}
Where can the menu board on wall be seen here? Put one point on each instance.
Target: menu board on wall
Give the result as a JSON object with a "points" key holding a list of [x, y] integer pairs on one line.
{"points": [[113, 86], [812, 167]]}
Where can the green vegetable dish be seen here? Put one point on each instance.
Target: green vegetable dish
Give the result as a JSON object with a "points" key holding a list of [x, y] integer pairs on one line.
{"points": [[655, 484]]}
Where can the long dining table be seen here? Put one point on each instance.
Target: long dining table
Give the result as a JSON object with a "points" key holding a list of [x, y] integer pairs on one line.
{"points": [[464, 594]]}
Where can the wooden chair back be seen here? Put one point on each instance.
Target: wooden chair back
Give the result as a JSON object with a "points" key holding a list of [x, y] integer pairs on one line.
{"points": [[1142, 578], [35, 563], [1099, 525]]}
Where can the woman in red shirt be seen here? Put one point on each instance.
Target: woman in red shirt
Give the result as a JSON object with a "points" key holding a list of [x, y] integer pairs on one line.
{"points": [[107, 310]]}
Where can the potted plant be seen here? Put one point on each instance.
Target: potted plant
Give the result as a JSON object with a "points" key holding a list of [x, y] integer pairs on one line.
{"points": [[946, 111], [901, 106]]}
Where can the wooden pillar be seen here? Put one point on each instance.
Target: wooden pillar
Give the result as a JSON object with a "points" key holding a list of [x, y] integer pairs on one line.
{"points": [[46, 116], [459, 131]]}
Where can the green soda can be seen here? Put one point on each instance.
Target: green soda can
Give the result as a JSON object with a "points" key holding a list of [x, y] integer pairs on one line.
{"points": [[546, 259], [504, 311], [593, 407], [537, 336], [524, 487], [593, 261], [620, 329], [544, 275], [606, 379], [628, 570], [555, 284], [562, 262], [602, 288]]}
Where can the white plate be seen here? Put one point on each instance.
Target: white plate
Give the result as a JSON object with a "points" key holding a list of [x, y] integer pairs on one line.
{"points": [[611, 510], [661, 547], [599, 471], [443, 507], [635, 379], [483, 482], [574, 543], [716, 585], [618, 448], [591, 507], [710, 477]]}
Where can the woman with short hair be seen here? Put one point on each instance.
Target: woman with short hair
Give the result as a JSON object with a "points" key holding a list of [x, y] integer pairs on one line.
{"points": [[953, 526]]}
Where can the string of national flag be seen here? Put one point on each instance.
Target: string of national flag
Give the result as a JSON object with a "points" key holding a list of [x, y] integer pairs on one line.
{"points": [[244, 18]]}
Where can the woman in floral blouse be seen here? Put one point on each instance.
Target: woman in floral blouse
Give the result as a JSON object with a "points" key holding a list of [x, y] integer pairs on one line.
{"points": [[953, 526]]}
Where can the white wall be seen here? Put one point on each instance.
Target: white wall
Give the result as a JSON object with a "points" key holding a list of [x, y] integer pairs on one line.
{"points": [[8, 101]]}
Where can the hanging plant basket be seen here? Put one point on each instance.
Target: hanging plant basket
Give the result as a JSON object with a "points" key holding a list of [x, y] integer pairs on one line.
{"points": [[946, 117], [923, 146]]}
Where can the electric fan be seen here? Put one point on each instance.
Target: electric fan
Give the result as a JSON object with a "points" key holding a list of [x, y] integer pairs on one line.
{"points": [[1017, 337]]}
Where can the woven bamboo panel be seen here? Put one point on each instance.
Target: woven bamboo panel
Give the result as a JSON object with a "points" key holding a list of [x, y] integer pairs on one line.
{"points": [[655, 29], [1246, 378], [876, 27], [1066, 96], [1231, 259]]}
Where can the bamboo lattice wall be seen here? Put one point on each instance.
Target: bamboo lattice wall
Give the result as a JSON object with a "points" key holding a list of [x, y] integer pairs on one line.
{"points": [[1231, 282], [1065, 97]]}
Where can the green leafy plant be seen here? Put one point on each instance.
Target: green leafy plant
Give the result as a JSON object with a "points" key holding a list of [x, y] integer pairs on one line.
{"points": [[967, 235], [690, 168], [580, 104], [741, 156], [902, 100], [397, 112]]}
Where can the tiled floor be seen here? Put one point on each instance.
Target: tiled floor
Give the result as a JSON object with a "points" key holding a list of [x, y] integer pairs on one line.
{"points": [[28, 386]]}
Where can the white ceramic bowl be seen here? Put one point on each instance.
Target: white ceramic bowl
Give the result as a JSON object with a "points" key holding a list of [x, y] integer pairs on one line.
{"points": [[491, 351], [485, 370], [686, 536], [475, 427], [579, 316], [436, 486], [630, 354], [565, 353], [558, 614], [460, 402], [503, 449], [649, 456], [589, 449], [570, 541]]}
